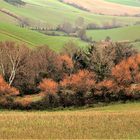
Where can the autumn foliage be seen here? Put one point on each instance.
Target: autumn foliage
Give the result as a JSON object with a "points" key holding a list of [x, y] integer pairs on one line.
{"points": [[81, 81], [66, 61], [124, 80], [127, 74], [6, 92], [48, 86], [6, 89], [70, 78], [128, 71]]}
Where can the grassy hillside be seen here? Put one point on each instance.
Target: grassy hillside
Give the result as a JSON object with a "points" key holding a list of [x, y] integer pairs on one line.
{"points": [[111, 122], [48, 13], [127, 2], [53, 12], [126, 33], [32, 38]]}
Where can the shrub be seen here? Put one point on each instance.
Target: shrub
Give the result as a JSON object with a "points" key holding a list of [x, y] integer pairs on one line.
{"points": [[77, 85], [7, 92], [106, 89], [127, 75], [48, 86]]}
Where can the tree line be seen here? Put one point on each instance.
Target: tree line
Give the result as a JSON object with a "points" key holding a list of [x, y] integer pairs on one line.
{"points": [[73, 77]]}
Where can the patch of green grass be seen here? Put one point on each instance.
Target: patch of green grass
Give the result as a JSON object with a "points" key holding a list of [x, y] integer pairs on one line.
{"points": [[125, 33], [136, 45], [112, 122], [33, 38], [130, 33], [127, 2]]}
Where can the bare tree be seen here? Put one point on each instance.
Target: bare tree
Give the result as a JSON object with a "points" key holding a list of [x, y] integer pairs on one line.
{"points": [[24, 22], [12, 60]]}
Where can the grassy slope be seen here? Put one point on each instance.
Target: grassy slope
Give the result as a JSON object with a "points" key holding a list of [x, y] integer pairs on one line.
{"points": [[126, 33], [54, 12], [32, 38], [111, 122], [130, 33], [127, 2]]}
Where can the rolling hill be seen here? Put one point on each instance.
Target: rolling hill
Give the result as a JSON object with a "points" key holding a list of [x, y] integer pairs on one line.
{"points": [[42, 13], [47, 12], [125, 33], [105, 7], [130, 33], [33, 38]]}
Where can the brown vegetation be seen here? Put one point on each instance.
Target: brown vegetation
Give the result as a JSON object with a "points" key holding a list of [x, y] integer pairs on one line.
{"points": [[73, 77]]}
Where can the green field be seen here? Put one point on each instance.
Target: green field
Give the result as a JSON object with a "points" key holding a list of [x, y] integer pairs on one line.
{"points": [[49, 11], [111, 122], [127, 2], [130, 33], [33, 38], [125, 33]]}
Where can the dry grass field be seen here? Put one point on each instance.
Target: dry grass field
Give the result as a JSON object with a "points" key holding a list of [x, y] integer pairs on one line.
{"points": [[111, 122], [104, 7]]}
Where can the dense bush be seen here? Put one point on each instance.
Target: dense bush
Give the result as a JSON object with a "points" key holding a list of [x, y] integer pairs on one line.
{"points": [[103, 73], [7, 93]]}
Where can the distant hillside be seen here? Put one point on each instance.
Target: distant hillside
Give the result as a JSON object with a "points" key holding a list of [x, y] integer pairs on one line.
{"points": [[131, 34], [105, 7], [126, 33], [53, 12], [44, 14], [32, 38]]}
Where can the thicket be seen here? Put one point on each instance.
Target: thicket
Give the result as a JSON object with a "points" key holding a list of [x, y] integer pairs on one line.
{"points": [[72, 77]]}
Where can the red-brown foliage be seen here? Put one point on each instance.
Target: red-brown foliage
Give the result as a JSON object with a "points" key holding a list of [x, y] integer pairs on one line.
{"points": [[106, 87], [127, 74], [66, 61], [82, 81], [128, 71], [48, 86], [6, 90]]}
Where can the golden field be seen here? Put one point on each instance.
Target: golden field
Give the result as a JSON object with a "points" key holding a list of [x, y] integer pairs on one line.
{"points": [[105, 8], [110, 122]]}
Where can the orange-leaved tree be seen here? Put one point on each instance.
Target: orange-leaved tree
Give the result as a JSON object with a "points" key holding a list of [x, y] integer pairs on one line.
{"points": [[127, 74], [48, 86], [75, 87], [6, 91], [67, 61], [81, 81]]}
